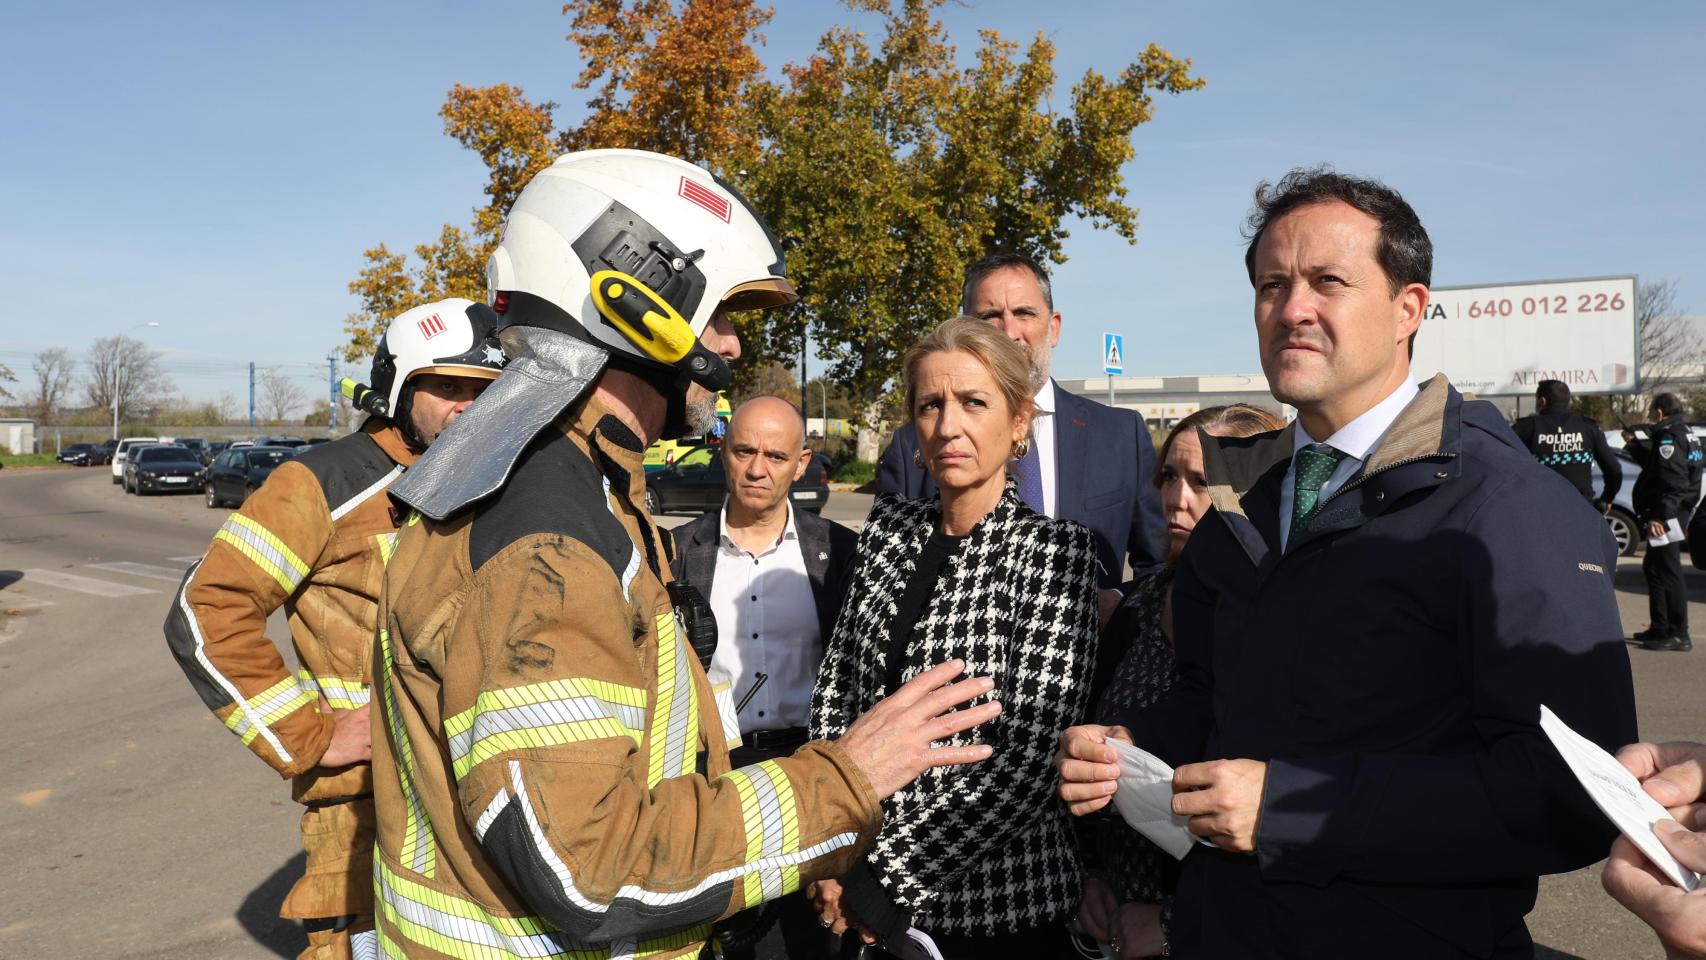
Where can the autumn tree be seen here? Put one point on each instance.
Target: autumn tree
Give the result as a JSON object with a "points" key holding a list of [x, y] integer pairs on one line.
{"points": [[828, 399], [888, 168], [884, 169], [124, 371], [766, 379]]}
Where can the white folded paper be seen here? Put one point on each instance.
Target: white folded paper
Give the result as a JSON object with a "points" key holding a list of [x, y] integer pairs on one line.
{"points": [[1673, 534], [915, 945], [1145, 799], [1617, 794]]}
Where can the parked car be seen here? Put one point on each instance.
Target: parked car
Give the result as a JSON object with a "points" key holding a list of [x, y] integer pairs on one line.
{"points": [[281, 442], [165, 466], [695, 484], [1624, 529], [201, 448], [81, 454], [123, 450], [240, 471]]}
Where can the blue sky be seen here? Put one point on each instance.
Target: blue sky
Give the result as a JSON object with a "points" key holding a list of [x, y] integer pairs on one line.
{"points": [[218, 168]]}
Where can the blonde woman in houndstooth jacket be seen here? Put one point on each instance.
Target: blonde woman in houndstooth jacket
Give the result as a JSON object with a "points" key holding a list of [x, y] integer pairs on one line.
{"points": [[981, 859]]}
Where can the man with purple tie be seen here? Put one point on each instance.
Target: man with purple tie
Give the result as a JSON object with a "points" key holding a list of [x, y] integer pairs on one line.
{"points": [[1088, 462]]}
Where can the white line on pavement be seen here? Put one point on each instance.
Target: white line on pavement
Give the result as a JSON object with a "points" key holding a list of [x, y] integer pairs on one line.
{"points": [[140, 570], [89, 585], [18, 601], [190, 559]]}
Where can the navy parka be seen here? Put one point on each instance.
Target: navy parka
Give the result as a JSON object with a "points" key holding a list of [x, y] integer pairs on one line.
{"points": [[1389, 667]]}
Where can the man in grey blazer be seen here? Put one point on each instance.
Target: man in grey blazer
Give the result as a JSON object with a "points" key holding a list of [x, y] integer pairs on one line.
{"points": [[774, 577]]}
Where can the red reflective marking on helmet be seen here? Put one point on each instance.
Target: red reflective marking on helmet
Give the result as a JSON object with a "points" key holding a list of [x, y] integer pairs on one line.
{"points": [[705, 197], [430, 327], [500, 302]]}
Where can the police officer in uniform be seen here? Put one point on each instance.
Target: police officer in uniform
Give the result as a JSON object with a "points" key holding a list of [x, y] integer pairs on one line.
{"points": [[1665, 493], [1568, 443]]}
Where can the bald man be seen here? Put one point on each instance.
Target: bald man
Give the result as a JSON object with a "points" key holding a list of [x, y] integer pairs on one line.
{"points": [[774, 577]]}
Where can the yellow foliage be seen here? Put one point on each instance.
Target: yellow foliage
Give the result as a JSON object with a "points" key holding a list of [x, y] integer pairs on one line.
{"points": [[883, 170]]}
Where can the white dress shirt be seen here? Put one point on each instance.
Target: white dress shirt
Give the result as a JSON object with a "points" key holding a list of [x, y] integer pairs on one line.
{"points": [[1042, 440], [1355, 439], [766, 623]]}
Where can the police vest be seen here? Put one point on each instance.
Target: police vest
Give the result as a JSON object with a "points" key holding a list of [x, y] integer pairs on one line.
{"points": [[1564, 443]]}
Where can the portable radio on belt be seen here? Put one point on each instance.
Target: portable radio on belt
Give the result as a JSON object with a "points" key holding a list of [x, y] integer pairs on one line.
{"points": [[697, 619]]}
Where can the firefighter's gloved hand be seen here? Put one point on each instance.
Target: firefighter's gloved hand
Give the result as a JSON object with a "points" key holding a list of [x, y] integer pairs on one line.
{"points": [[892, 742], [352, 736]]}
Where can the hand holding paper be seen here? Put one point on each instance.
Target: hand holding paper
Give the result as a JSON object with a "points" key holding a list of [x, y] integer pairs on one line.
{"points": [[1145, 800], [1618, 795]]}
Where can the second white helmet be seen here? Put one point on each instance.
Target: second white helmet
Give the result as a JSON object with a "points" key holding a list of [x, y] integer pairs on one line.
{"points": [[455, 337], [634, 252]]}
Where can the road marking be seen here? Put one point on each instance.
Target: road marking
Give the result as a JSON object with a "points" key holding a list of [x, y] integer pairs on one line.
{"points": [[189, 559], [18, 601], [89, 585], [140, 570]]}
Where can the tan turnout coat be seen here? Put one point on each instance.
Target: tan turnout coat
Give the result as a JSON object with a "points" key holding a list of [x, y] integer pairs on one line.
{"points": [[551, 774], [313, 539]]}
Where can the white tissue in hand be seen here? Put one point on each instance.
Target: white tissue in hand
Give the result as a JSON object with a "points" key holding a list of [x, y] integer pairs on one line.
{"points": [[1145, 799]]}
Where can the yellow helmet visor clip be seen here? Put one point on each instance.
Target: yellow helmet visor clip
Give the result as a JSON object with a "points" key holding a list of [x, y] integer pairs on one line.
{"points": [[646, 319]]}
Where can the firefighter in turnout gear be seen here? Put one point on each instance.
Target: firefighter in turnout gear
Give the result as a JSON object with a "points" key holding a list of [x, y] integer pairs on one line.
{"points": [[1665, 496], [315, 539], [549, 766], [1569, 443]]}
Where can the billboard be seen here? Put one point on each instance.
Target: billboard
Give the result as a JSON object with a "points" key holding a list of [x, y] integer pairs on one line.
{"points": [[1503, 339]]}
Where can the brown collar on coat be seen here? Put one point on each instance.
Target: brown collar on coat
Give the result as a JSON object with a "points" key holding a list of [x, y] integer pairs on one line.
{"points": [[390, 439], [1232, 465]]}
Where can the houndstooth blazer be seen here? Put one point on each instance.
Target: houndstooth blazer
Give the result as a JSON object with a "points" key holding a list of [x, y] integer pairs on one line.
{"points": [[985, 848]]}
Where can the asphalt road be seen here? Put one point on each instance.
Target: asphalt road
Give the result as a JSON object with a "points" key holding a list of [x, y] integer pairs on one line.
{"points": [[132, 825]]}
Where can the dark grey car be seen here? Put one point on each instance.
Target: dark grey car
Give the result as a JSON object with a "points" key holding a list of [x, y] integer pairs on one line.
{"points": [[235, 474], [696, 483]]}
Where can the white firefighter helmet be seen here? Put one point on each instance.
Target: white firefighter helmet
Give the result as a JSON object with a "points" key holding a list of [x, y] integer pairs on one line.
{"points": [[455, 337], [633, 252]]}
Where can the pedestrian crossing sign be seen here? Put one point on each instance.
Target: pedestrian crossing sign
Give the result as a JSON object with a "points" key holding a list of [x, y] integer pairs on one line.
{"points": [[1113, 353]]}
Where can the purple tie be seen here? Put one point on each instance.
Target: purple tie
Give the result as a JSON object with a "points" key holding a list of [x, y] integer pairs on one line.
{"points": [[1027, 474]]}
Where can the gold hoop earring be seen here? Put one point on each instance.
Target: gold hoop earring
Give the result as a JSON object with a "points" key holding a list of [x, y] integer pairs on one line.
{"points": [[918, 459], [1022, 449]]}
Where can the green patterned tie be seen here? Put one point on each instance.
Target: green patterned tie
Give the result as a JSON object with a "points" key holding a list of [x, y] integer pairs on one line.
{"points": [[1313, 464]]}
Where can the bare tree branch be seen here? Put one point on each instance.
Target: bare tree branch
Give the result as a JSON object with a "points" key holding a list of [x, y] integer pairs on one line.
{"points": [[124, 370], [279, 395], [53, 382]]}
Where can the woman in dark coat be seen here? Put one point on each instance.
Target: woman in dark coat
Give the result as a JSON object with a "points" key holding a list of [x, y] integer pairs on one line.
{"points": [[1128, 881], [980, 858]]}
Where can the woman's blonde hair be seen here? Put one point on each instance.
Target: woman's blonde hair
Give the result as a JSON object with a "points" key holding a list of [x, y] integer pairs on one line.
{"points": [[1007, 362]]}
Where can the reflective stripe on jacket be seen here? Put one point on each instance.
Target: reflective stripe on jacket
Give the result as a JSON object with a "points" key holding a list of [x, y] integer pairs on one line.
{"points": [[313, 539], [552, 779]]}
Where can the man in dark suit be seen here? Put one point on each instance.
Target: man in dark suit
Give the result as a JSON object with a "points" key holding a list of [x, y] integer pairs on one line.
{"points": [[1367, 625], [1087, 462], [774, 577]]}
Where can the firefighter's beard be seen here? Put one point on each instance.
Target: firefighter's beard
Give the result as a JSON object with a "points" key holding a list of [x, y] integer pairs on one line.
{"points": [[701, 411]]}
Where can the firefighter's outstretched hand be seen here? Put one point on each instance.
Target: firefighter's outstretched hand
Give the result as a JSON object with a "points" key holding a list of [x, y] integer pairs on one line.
{"points": [[352, 737], [893, 742]]}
